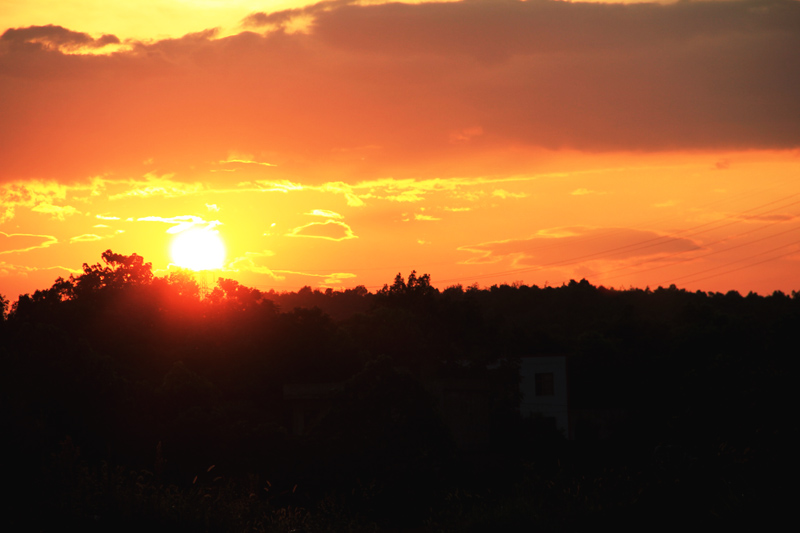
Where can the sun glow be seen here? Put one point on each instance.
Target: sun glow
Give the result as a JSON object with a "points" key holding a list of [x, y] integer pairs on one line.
{"points": [[198, 249]]}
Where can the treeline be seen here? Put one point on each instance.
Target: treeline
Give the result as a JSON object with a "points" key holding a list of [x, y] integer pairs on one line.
{"points": [[121, 391]]}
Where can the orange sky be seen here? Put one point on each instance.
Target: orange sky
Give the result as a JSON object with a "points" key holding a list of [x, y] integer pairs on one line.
{"points": [[336, 144]]}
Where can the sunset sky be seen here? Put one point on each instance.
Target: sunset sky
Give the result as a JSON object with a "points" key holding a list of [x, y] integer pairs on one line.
{"points": [[336, 144]]}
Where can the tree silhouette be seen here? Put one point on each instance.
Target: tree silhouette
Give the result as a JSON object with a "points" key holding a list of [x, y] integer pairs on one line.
{"points": [[3, 307], [116, 272], [415, 286]]}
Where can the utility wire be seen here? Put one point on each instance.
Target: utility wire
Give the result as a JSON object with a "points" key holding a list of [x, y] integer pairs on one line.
{"points": [[647, 243], [734, 262], [665, 265]]}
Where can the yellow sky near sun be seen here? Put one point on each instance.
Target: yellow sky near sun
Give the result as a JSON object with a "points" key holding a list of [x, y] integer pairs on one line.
{"points": [[574, 220], [139, 19], [136, 19], [144, 19]]}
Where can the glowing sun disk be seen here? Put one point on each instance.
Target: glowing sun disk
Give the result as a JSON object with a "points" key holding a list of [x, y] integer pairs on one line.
{"points": [[198, 250]]}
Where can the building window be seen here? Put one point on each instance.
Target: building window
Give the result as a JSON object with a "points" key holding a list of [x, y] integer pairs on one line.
{"points": [[545, 384]]}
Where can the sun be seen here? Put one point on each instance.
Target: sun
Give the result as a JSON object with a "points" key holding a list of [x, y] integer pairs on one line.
{"points": [[198, 249]]}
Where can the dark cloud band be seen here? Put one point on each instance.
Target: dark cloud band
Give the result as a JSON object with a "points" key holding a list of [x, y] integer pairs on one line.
{"points": [[406, 79]]}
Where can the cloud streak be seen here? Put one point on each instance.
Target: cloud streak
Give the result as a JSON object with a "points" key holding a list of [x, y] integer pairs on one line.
{"points": [[11, 243], [53, 38], [38, 196], [86, 237], [181, 223], [254, 262], [331, 230], [578, 245]]}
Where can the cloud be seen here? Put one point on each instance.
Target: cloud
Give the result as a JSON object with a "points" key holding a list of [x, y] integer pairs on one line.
{"points": [[414, 190], [289, 20], [334, 278], [579, 245], [283, 186], [56, 211], [768, 218], [245, 160], [501, 193], [324, 213], [24, 242], [419, 216], [36, 195], [86, 237], [254, 262], [9, 269], [434, 85], [332, 230], [181, 223], [52, 37], [154, 185], [340, 187]]}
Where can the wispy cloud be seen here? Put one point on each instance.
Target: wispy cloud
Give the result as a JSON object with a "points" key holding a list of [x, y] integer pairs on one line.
{"points": [[577, 245], [502, 193], [56, 211], [181, 223], [412, 190], [332, 230], [340, 187], [24, 242], [283, 186], [154, 185], [57, 38], [334, 278], [39, 196], [405, 190], [245, 159], [324, 213], [785, 217], [254, 262], [10, 269], [86, 237]]}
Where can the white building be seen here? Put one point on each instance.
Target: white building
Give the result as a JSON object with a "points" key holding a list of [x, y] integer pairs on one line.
{"points": [[543, 383]]}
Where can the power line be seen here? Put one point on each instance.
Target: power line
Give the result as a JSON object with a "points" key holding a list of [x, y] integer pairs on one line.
{"points": [[647, 243], [738, 261], [660, 258]]}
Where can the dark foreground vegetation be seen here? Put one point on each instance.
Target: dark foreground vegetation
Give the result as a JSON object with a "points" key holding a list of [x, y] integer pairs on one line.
{"points": [[134, 403]]}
